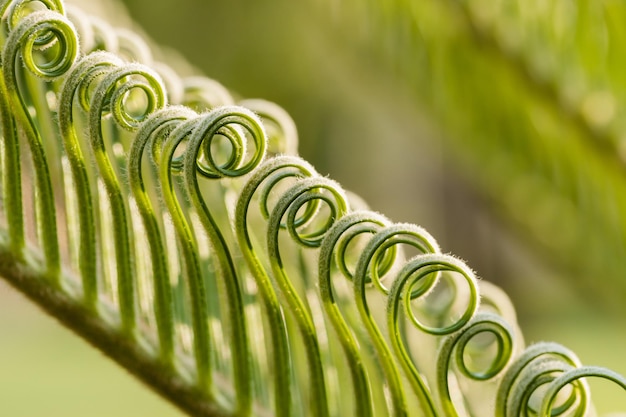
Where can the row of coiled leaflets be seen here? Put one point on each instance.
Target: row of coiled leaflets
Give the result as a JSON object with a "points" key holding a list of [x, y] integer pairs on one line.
{"points": [[186, 224]]}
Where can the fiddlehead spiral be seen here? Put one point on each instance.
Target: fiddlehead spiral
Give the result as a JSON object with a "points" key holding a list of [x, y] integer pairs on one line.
{"points": [[104, 38], [535, 367], [334, 252], [34, 34], [132, 47], [236, 124], [371, 268], [416, 279], [51, 36], [571, 377], [112, 95], [266, 178], [535, 383], [168, 164], [12, 11], [281, 129], [78, 190], [231, 123], [155, 129], [307, 193], [201, 93], [456, 348], [294, 206]]}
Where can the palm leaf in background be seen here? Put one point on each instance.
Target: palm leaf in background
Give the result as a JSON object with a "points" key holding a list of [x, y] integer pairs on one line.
{"points": [[158, 233], [536, 115]]}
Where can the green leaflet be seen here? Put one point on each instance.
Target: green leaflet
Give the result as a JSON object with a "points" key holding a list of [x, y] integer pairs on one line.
{"points": [[232, 282]]}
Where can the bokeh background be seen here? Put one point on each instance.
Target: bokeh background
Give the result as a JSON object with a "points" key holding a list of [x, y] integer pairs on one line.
{"points": [[503, 141]]}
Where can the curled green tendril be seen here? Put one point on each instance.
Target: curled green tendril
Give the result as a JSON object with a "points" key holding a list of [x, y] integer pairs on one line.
{"points": [[268, 175], [334, 248], [168, 164], [416, 279], [37, 32], [24, 41], [370, 269], [232, 122], [202, 93], [495, 299], [132, 47], [13, 11], [84, 30], [104, 38], [372, 223], [303, 193], [571, 376], [155, 128], [172, 81], [110, 94], [455, 345], [576, 403], [282, 132], [307, 193], [373, 262], [527, 371], [76, 85]]}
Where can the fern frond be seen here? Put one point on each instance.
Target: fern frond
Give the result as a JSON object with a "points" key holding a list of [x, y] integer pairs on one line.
{"points": [[230, 277]]}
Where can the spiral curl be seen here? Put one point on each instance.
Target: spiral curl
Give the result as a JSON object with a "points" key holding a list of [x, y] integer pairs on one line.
{"points": [[373, 262], [266, 178], [416, 279], [109, 96], [334, 251], [202, 93], [572, 377], [114, 89], [37, 32], [33, 31], [455, 346], [75, 87], [533, 368], [155, 129], [262, 181], [282, 132], [168, 165], [369, 270], [231, 122], [13, 11], [302, 195], [298, 196]]}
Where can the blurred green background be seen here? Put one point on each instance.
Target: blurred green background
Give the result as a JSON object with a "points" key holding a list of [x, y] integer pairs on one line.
{"points": [[372, 93]]}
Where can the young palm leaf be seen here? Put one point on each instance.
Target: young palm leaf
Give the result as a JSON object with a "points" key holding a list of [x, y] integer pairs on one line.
{"points": [[233, 283]]}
